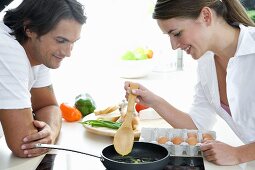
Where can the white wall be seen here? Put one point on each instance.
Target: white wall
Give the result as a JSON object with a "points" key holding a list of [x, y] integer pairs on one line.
{"points": [[113, 26]]}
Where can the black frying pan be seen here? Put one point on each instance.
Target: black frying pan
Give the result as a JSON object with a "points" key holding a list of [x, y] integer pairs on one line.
{"points": [[144, 156]]}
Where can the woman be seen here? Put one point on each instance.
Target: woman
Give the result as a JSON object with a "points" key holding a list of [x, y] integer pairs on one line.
{"points": [[221, 37]]}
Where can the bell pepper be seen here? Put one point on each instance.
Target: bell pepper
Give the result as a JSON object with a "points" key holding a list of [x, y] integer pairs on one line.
{"points": [[139, 107], [85, 104], [70, 113]]}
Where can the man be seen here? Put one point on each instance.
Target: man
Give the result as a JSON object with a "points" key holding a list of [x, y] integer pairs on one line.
{"points": [[34, 37]]}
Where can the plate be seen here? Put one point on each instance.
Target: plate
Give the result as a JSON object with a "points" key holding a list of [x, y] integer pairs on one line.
{"points": [[103, 130]]}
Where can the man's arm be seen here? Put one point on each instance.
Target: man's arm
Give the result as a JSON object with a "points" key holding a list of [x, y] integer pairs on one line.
{"points": [[17, 123], [46, 109], [22, 132], [48, 121]]}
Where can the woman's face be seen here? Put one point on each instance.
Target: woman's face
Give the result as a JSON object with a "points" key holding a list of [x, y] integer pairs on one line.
{"points": [[187, 34], [51, 48]]}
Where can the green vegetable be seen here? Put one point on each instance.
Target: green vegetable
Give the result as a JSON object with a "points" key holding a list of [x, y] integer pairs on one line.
{"points": [[251, 14], [103, 123], [85, 104], [133, 159]]}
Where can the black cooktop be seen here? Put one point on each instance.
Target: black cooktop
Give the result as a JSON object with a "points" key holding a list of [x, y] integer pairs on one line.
{"points": [[175, 163], [185, 163]]}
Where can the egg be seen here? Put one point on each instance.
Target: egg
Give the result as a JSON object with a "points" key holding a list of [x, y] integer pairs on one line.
{"points": [[207, 136], [192, 141], [192, 134], [162, 140], [177, 140]]}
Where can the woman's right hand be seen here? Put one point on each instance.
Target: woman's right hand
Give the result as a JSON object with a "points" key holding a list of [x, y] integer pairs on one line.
{"points": [[144, 96]]}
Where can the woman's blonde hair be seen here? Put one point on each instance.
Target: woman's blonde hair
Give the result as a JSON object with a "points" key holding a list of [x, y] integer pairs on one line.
{"points": [[231, 10]]}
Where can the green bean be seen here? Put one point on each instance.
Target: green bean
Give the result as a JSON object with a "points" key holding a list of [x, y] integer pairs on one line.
{"points": [[102, 123]]}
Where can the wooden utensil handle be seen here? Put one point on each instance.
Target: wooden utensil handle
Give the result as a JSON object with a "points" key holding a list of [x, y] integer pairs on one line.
{"points": [[132, 97], [131, 104]]}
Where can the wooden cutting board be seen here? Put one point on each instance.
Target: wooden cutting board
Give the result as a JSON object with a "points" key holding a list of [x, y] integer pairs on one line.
{"points": [[102, 130]]}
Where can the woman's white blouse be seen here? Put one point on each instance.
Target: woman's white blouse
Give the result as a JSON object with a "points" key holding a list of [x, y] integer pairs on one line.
{"points": [[240, 83]]}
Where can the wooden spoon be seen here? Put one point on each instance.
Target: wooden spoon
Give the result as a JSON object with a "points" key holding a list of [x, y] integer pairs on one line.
{"points": [[124, 137]]}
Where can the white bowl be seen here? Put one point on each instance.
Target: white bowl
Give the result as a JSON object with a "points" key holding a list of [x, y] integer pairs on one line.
{"points": [[135, 68]]}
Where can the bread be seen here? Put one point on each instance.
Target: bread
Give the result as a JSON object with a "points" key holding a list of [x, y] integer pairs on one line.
{"points": [[106, 110], [112, 116], [135, 122]]}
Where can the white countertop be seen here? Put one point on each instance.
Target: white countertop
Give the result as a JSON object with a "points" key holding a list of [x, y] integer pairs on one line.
{"points": [[172, 86], [75, 136]]}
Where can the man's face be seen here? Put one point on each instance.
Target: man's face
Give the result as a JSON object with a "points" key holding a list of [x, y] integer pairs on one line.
{"points": [[51, 48]]}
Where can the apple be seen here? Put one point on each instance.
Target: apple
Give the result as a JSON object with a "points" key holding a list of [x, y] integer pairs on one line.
{"points": [[139, 50], [137, 54], [149, 53], [129, 55], [141, 56]]}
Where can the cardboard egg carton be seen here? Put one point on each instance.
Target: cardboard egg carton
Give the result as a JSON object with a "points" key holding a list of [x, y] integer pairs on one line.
{"points": [[179, 142]]}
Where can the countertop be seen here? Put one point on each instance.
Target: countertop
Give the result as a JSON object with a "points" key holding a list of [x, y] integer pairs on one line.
{"points": [[174, 87], [75, 136]]}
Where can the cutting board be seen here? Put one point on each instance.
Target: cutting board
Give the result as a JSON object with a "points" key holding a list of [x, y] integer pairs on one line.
{"points": [[102, 130]]}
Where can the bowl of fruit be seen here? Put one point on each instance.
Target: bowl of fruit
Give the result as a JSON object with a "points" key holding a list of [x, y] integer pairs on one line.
{"points": [[136, 63]]}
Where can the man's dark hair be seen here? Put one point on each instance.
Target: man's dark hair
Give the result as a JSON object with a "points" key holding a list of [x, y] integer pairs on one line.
{"points": [[4, 3], [41, 16]]}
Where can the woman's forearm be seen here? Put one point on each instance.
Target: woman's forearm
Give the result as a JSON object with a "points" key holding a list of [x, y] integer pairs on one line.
{"points": [[246, 152], [172, 115]]}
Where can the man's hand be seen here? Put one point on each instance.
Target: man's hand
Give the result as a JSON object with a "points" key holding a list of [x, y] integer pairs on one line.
{"points": [[48, 118], [44, 135]]}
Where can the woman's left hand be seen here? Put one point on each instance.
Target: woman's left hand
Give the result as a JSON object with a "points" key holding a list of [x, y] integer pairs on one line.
{"points": [[44, 135], [219, 153]]}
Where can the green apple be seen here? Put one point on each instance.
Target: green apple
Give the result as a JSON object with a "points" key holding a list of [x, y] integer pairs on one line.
{"points": [[139, 50], [141, 56], [129, 55]]}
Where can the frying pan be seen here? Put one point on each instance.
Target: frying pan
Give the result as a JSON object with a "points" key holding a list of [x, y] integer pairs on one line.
{"points": [[144, 156]]}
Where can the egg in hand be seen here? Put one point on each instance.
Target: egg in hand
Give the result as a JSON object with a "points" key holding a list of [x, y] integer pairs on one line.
{"points": [[207, 136]]}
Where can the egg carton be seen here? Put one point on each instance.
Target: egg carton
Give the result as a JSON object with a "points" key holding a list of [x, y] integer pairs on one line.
{"points": [[179, 142]]}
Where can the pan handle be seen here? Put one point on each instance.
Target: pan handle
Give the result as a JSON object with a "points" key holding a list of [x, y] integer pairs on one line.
{"points": [[102, 159], [50, 146]]}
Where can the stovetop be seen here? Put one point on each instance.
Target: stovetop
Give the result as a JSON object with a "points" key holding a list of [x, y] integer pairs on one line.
{"points": [[185, 163], [50, 161]]}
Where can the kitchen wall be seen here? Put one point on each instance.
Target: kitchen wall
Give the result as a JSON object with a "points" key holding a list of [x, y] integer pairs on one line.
{"points": [[114, 26]]}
